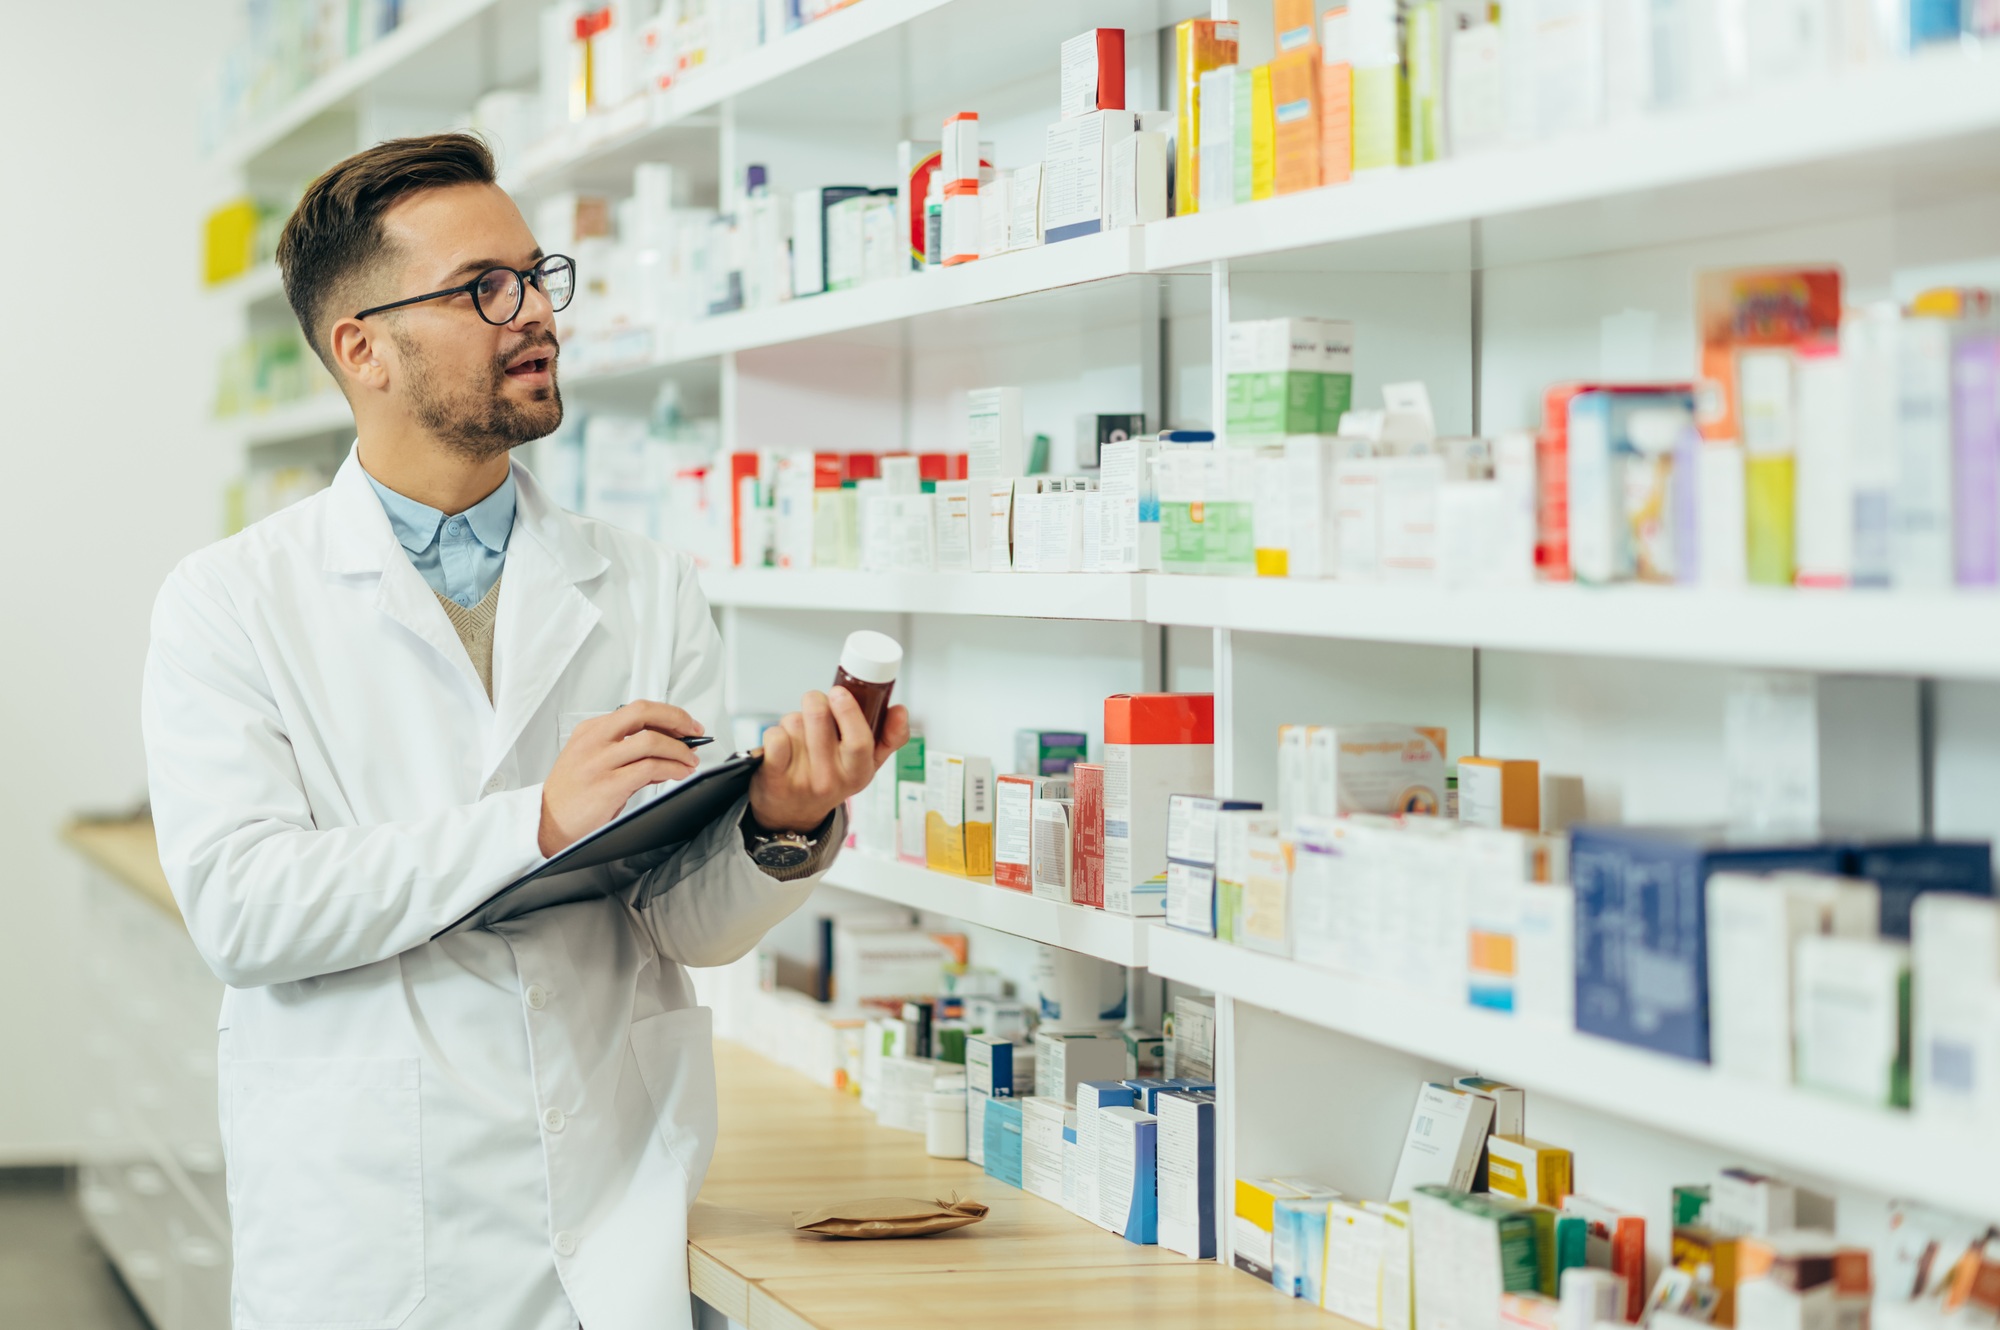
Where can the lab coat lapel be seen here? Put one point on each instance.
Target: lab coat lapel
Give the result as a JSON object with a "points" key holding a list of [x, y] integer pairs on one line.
{"points": [[545, 616], [360, 540]]}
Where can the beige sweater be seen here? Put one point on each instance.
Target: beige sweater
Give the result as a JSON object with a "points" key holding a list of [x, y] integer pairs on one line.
{"points": [[475, 629]]}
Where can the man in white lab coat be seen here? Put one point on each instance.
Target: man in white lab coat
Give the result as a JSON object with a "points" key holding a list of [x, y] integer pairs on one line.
{"points": [[365, 714]]}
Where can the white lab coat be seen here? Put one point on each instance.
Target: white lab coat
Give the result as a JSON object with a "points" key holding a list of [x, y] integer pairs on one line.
{"points": [[503, 1129]]}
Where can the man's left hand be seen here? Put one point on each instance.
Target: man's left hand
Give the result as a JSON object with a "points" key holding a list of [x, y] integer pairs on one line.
{"points": [[819, 757]]}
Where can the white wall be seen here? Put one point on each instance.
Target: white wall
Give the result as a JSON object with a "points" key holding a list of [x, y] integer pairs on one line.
{"points": [[110, 472]]}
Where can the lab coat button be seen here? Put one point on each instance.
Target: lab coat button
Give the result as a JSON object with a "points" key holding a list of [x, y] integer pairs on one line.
{"points": [[554, 1120], [565, 1244], [493, 786], [538, 997]]}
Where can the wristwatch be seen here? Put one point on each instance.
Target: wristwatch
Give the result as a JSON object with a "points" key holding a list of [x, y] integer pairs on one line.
{"points": [[781, 850]]}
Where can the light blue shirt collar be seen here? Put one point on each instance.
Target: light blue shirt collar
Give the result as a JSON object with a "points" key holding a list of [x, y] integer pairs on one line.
{"points": [[459, 559]]}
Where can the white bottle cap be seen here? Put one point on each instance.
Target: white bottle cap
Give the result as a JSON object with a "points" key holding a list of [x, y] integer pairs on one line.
{"points": [[871, 657]]}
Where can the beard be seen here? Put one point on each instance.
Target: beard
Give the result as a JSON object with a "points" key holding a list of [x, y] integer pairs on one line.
{"points": [[473, 417]]}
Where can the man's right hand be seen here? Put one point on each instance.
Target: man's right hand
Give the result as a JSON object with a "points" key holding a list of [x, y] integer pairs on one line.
{"points": [[607, 760]]}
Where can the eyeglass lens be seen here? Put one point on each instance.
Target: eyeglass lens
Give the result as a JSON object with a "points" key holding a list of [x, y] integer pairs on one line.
{"points": [[499, 292]]}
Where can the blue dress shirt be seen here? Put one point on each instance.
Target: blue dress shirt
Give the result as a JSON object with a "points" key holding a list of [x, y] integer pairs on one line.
{"points": [[460, 556]]}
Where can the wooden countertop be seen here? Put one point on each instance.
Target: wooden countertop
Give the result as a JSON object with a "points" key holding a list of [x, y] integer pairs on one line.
{"points": [[127, 851], [787, 1144]]}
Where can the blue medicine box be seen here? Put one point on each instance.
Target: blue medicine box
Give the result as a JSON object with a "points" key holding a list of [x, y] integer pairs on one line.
{"points": [[1003, 1141], [1903, 869], [1642, 926]]}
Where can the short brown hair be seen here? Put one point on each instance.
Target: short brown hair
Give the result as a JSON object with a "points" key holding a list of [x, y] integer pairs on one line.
{"points": [[336, 231]]}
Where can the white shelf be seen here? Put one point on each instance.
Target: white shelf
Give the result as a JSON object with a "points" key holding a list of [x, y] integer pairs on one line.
{"points": [[1116, 596], [338, 89], [322, 414], [1117, 938], [1945, 633], [1802, 151], [1893, 1153]]}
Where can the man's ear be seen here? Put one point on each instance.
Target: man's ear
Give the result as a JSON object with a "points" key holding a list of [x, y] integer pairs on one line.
{"points": [[359, 355]]}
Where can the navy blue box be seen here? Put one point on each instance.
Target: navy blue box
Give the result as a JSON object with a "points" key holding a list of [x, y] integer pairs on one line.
{"points": [[1905, 868], [1642, 926]]}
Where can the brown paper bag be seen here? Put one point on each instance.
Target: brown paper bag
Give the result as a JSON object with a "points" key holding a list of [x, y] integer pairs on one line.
{"points": [[888, 1217]]}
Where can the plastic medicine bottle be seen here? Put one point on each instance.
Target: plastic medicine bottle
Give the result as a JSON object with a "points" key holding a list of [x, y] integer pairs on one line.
{"points": [[868, 665]]}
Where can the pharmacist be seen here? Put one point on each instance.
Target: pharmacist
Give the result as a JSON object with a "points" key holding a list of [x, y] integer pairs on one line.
{"points": [[370, 711]]}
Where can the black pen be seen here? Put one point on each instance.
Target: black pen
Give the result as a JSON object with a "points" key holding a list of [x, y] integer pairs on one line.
{"points": [[699, 740]]}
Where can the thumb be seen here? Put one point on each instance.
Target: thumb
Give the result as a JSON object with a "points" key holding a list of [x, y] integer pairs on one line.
{"points": [[777, 749]]}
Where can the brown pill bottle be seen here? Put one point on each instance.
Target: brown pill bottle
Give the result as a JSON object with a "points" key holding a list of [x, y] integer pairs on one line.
{"points": [[868, 665]]}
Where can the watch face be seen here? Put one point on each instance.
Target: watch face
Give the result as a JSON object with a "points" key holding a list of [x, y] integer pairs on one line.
{"points": [[781, 854]]}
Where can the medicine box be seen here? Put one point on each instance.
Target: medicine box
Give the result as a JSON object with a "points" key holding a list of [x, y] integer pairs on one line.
{"points": [[1754, 926], [1642, 933], [1191, 855], [1193, 1046], [1207, 500], [1093, 72], [1062, 1061], [1500, 792], [1013, 832], [1003, 1141], [1049, 752], [1852, 1006], [1076, 172], [1128, 1200], [1186, 1170], [1447, 1135], [1955, 960], [1041, 1147], [1053, 846], [958, 818], [1467, 1251], [1155, 745], [1376, 768], [1527, 1169], [1092, 1096], [1298, 1240], [1903, 869], [1087, 858], [1262, 914], [1251, 1225], [1288, 376]]}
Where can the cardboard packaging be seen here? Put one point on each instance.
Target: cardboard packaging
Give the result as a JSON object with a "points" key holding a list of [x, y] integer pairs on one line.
{"points": [[1448, 1129], [1186, 1164], [1155, 745], [1754, 926], [1093, 72], [1955, 961], [958, 816], [1077, 159], [1041, 1147], [1260, 906], [1128, 1198], [1468, 1251], [1052, 848], [1003, 1141], [1289, 376], [996, 444], [1087, 822], [1191, 859], [1192, 1050], [1852, 1004], [1013, 832], [1092, 1096], [1063, 1061], [1199, 46], [1528, 1170], [1251, 1228], [1297, 122], [1298, 1240], [1641, 917], [1500, 792]]}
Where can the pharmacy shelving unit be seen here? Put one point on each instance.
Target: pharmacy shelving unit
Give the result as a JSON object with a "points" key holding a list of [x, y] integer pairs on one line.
{"points": [[1487, 278]]}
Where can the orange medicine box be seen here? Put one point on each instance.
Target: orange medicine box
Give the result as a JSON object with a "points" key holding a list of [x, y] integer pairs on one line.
{"points": [[1292, 21], [1295, 92], [1336, 101], [1500, 792], [1156, 745]]}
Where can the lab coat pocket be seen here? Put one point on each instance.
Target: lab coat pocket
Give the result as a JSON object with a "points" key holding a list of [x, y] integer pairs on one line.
{"points": [[676, 1055], [567, 721], [326, 1192]]}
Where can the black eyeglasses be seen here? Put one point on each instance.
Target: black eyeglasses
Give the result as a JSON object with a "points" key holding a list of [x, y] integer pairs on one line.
{"points": [[498, 293]]}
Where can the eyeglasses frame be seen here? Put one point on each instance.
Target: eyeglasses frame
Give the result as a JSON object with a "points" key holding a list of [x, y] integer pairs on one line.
{"points": [[525, 276]]}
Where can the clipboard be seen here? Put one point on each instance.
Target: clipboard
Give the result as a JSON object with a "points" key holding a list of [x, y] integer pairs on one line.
{"points": [[614, 859]]}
